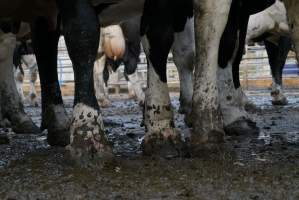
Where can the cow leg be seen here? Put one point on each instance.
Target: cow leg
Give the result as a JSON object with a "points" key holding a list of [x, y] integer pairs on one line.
{"points": [[19, 78], [210, 19], [292, 7], [277, 57], [81, 30], [135, 88], [99, 84], [54, 116], [183, 51], [161, 136], [33, 70], [11, 106]]}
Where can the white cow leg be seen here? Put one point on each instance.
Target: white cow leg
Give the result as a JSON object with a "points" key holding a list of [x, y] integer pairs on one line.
{"points": [[33, 70], [235, 118], [11, 104], [210, 20], [135, 88], [100, 89], [19, 78], [161, 136], [183, 51], [243, 100], [277, 94]]}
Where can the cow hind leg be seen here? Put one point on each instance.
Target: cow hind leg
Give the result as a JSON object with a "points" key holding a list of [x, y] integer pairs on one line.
{"points": [[135, 88], [88, 143], [11, 106], [161, 136], [183, 51], [99, 84], [33, 70], [19, 78], [277, 57]]}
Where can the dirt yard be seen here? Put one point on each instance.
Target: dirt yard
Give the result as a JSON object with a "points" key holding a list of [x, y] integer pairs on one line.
{"points": [[265, 166]]}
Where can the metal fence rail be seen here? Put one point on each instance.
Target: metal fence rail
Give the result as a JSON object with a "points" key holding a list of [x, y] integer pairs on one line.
{"points": [[254, 66]]}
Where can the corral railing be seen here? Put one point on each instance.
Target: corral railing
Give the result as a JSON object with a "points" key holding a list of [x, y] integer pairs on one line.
{"points": [[254, 69]]}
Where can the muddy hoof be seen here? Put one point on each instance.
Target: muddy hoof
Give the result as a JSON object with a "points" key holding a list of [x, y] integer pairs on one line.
{"points": [[280, 102], [4, 123], [165, 147], [104, 103], [250, 106], [88, 143], [26, 127], [89, 152], [57, 122], [242, 127], [58, 137]]}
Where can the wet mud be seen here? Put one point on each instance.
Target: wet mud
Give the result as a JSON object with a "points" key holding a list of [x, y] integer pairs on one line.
{"points": [[263, 166]]}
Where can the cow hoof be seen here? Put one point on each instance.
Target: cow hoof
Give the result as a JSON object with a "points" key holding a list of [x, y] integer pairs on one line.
{"points": [[250, 106], [242, 126], [26, 127], [4, 123], [281, 101], [104, 103], [88, 143], [168, 144], [55, 119], [201, 144]]}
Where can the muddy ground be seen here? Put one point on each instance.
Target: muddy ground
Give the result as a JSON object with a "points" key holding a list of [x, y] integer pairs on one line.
{"points": [[265, 166]]}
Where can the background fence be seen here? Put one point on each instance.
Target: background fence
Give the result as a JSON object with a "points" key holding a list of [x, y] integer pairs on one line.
{"points": [[254, 70]]}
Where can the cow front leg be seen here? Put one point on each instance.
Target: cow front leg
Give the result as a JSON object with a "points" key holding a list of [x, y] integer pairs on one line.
{"points": [[81, 30], [161, 136], [210, 19], [278, 54], [11, 106], [54, 116]]}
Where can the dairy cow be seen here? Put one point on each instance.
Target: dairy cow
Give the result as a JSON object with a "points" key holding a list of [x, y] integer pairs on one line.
{"points": [[216, 21]]}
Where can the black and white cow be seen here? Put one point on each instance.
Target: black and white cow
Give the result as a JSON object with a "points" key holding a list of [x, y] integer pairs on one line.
{"points": [[183, 50], [271, 27], [223, 24]]}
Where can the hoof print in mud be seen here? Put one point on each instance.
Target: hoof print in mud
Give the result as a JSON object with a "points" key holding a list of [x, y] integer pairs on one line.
{"points": [[88, 143], [170, 146], [242, 127]]}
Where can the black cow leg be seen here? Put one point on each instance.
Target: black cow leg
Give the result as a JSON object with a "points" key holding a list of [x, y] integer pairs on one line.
{"points": [[161, 136], [277, 57], [54, 116], [81, 30]]}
